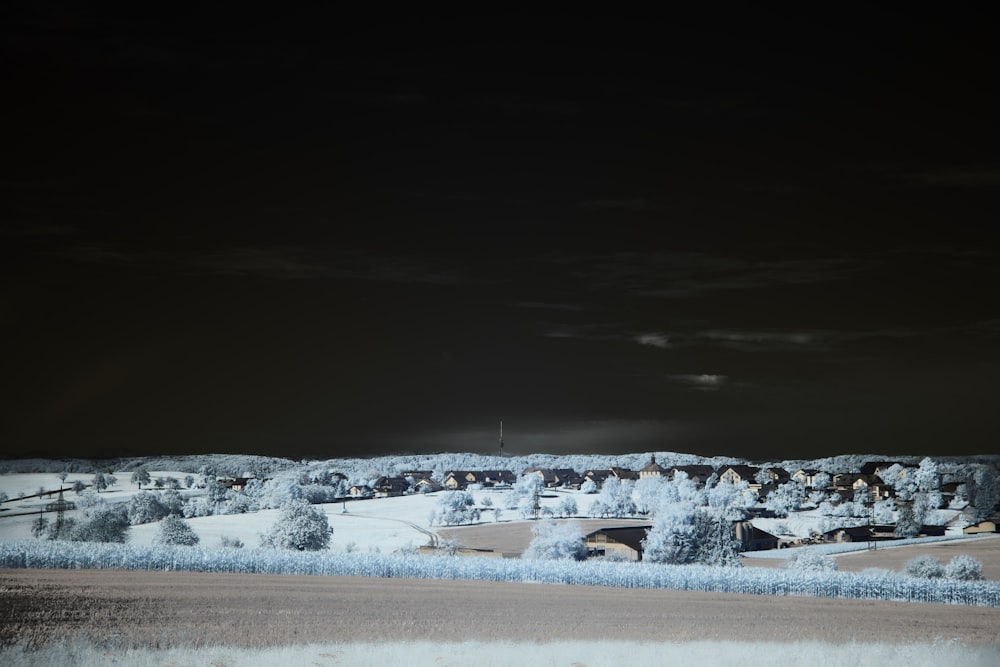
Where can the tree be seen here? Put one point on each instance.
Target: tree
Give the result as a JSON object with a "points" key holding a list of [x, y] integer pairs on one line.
{"points": [[455, 507], [715, 541], [140, 476], [188, 481], [672, 538], [145, 507], [731, 500], [964, 568], [928, 482], [555, 541], [100, 482], [79, 487], [105, 523], [39, 526], [812, 562], [63, 475], [788, 497], [300, 526], [588, 487], [175, 530], [924, 567], [614, 500], [910, 517], [567, 507]]}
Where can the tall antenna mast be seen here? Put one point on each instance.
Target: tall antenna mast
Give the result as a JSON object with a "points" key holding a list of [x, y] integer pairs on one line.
{"points": [[501, 438]]}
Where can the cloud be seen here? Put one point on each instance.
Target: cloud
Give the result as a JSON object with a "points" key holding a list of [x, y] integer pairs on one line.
{"points": [[763, 337], [702, 382], [655, 339], [611, 332]]}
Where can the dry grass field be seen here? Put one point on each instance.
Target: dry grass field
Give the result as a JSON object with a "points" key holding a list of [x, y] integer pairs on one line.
{"points": [[164, 609], [514, 538]]}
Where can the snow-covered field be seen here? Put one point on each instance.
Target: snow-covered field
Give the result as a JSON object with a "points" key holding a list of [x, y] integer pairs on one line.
{"points": [[377, 525]]}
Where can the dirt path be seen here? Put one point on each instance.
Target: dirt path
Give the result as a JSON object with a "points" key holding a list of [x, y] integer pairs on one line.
{"points": [[181, 608]]}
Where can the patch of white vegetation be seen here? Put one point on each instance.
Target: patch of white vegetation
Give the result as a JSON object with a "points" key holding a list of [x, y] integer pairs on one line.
{"points": [[500, 654]]}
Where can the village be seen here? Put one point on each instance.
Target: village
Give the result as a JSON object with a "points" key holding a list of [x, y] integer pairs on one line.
{"points": [[769, 508]]}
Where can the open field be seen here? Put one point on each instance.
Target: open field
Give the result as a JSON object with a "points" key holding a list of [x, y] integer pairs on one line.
{"points": [[164, 609], [514, 537]]}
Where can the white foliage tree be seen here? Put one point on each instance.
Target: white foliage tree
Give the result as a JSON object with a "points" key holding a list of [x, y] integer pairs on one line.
{"points": [[928, 481], [614, 500], [672, 537], [145, 507], [964, 568], [812, 562], [556, 541], [787, 497], [103, 523], [301, 527], [731, 500], [455, 507], [175, 530], [567, 507]]}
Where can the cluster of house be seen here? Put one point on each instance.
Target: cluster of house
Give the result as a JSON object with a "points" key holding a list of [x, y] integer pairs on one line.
{"points": [[760, 480]]}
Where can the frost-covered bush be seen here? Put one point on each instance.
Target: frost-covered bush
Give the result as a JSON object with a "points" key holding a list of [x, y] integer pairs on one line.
{"points": [[300, 526], [230, 542], [588, 487], [175, 530], [103, 523], [455, 507], [786, 498], [172, 501], [964, 568], [554, 541], [812, 562], [146, 507], [196, 507], [275, 492], [924, 567]]}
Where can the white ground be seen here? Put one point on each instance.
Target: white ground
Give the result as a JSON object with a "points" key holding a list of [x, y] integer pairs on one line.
{"points": [[376, 525], [498, 654]]}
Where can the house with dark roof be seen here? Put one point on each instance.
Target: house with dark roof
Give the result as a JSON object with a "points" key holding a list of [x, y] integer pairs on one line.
{"points": [[653, 469], [619, 543], [698, 474], [805, 476], [388, 487], [555, 477], [739, 473]]}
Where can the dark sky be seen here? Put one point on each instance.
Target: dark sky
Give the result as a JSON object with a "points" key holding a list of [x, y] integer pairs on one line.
{"points": [[310, 234]]}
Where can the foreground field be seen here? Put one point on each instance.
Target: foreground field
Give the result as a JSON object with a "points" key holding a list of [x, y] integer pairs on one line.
{"points": [[182, 609]]}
